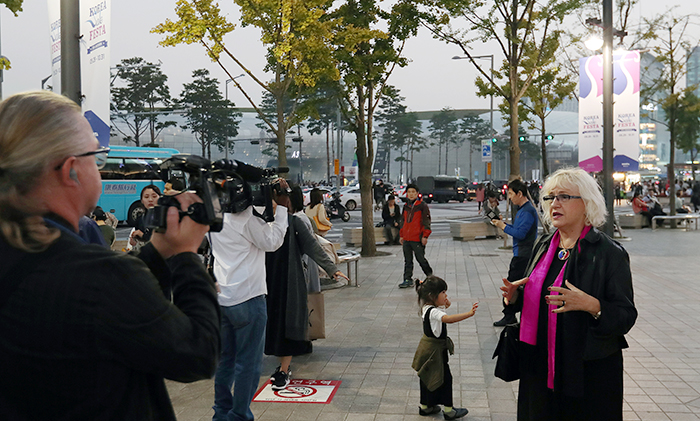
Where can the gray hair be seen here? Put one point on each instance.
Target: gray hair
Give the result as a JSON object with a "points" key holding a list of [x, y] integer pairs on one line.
{"points": [[36, 130], [589, 190]]}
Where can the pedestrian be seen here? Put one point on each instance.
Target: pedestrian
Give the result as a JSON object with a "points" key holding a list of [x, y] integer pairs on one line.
{"points": [[379, 192], [524, 233], [100, 218], [87, 333], [480, 196], [317, 213], [431, 357], [141, 234], [391, 217], [577, 304], [287, 310], [414, 234]]}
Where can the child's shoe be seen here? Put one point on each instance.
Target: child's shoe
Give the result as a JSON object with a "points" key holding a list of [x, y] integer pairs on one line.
{"points": [[429, 410], [456, 413]]}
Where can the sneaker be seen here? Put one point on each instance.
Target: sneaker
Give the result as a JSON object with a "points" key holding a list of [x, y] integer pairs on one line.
{"points": [[456, 413], [429, 410], [506, 320], [280, 379], [407, 283]]}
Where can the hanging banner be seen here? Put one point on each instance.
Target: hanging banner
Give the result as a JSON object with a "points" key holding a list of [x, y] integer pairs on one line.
{"points": [[54, 7], [380, 162], [625, 112], [94, 65]]}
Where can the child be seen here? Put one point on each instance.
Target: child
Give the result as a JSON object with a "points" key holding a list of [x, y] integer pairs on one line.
{"points": [[431, 358]]}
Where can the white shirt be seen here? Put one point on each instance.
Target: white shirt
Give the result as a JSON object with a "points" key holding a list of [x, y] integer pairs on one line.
{"points": [[435, 318], [239, 253]]}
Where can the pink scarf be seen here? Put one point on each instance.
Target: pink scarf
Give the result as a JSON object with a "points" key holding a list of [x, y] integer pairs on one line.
{"points": [[531, 304]]}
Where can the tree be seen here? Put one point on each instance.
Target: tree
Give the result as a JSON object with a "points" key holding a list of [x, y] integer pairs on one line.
{"points": [[142, 103], [15, 7], [548, 90], [297, 34], [688, 126], [671, 43], [209, 116], [390, 118], [364, 71], [523, 30], [323, 104], [445, 130]]}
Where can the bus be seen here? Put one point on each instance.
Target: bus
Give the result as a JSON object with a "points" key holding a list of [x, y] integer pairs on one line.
{"points": [[128, 170]]}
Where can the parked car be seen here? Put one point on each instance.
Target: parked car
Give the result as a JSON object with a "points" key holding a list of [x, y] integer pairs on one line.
{"points": [[351, 198]]}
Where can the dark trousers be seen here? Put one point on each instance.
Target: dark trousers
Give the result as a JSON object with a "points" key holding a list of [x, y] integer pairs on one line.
{"points": [[391, 234], [516, 272], [409, 249]]}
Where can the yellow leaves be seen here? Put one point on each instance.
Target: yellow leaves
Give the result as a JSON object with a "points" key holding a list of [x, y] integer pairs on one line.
{"points": [[199, 21], [4, 63]]}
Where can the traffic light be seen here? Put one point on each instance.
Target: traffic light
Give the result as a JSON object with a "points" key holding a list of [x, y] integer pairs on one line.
{"points": [[494, 140], [550, 137], [521, 138]]}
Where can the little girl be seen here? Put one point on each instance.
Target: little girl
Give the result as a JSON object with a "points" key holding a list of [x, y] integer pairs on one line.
{"points": [[431, 357]]}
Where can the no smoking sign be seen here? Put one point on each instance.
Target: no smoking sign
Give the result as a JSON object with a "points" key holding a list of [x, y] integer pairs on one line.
{"points": [[299, 390]]}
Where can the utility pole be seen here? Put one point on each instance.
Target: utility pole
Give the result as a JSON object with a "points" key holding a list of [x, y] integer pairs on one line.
{"points": [[70, 50], [608, 147]]}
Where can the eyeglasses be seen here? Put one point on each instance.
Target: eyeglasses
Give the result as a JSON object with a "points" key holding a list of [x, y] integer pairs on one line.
{"points": [[562, 198], [100, 157]]}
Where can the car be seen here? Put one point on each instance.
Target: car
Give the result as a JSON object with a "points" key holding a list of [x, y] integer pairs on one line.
{"points": [[351, 198], [500, 186]]}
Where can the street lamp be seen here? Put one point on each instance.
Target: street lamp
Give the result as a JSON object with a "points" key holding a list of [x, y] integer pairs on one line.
{"points": [[231, 80], [227, 82], [489, 56]]}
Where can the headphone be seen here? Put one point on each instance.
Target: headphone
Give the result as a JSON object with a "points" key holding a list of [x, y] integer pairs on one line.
{"points": [[73, 175]]}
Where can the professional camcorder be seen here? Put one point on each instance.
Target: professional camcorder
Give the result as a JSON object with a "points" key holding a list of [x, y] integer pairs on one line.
{"points": [[224, 186]]}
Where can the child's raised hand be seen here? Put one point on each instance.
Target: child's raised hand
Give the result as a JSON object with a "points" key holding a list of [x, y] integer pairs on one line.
{"points": [[474, 307]]}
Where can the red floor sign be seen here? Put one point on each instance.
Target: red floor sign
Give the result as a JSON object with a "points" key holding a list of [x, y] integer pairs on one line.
{"points": [[303, 391]]}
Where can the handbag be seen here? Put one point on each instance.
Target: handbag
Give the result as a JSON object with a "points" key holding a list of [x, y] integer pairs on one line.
{"points": [[507, 351], [320, 225], [317, 316]]}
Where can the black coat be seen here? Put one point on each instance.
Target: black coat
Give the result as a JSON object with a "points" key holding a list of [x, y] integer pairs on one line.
{"points": [[89, 334], [602, 270]]}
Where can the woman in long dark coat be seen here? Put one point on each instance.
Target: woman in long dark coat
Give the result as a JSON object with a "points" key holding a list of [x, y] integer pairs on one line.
{"points": [[577, 305], [287, 314]]}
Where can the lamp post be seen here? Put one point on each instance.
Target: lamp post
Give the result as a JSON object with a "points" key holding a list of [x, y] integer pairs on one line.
{"points": [[227, 82], [489, 56]]}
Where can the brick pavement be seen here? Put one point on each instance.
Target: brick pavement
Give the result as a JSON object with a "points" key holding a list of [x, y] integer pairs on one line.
{"points": [[372, 332]]}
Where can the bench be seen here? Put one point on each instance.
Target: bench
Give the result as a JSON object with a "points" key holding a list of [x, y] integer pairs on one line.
{"points": [[633, 220], [687, 218], [348, 257], [468, 231], [353, 236]]}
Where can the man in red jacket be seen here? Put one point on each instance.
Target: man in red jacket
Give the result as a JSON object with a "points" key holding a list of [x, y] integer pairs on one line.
{"points": [[414, 235]]}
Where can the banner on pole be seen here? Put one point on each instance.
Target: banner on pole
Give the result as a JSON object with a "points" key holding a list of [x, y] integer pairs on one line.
{"points": [[94, 64], [626, 86], [54, 7]]}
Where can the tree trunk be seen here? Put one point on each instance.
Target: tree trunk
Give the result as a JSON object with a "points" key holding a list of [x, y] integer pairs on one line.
{"points": [[447, 153], [364, 162], [328, 154], [514, 146], [439, 156]]}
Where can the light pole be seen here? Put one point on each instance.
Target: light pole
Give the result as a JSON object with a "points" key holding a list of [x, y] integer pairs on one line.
{"points": [[489, 56], [227, 82]]}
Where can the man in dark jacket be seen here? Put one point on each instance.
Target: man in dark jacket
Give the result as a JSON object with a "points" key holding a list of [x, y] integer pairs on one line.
{"points": [[524, 233], [414, 235], [391, 217]]}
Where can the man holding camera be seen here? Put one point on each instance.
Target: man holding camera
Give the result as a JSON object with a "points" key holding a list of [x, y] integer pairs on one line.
{"points": [[86, 333], [239, 268], [524, 233]]}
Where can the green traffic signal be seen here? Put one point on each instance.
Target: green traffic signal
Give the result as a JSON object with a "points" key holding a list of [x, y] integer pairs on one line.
{"points": [[550, 137], [494, 140], [521, 138]]}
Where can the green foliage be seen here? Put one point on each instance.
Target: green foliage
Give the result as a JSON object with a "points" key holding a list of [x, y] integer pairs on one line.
{"points": [[15, 6], [688, 124], [476, 130], [444, 129], [209, 116], [144, 100]]}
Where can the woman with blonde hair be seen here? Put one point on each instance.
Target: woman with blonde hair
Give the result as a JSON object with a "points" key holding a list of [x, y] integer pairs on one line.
{"points": [[86, 333], [577, 304]]}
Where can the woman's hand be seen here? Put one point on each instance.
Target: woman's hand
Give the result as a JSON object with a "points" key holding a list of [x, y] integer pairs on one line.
{"points": [[340, 274], [572, 299], [135, 236], [510, 289]]}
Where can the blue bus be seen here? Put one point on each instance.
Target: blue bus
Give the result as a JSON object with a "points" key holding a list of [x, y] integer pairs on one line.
{"points": [[128, 170]]}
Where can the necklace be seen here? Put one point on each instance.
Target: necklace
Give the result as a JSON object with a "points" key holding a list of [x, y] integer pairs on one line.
{"points": [[565, 252]]}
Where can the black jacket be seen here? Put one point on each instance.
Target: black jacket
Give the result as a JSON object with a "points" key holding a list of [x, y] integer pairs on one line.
{"points": [[89, 335], [392, 221], [602, 270]]}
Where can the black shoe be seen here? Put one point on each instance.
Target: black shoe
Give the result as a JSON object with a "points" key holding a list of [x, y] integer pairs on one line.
{"points": [[456, 413], [280, 379], [407, 283], [429, 410], [506, 320]]}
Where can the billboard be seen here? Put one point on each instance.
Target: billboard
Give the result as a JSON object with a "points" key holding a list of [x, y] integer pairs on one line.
{"points": [[626, 85]]}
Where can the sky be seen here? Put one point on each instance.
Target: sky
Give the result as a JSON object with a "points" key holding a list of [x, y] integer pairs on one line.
{"points": [[431, 81]]}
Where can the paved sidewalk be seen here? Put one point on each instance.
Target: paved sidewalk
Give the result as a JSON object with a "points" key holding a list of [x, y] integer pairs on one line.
{"points": [[372, 332]]}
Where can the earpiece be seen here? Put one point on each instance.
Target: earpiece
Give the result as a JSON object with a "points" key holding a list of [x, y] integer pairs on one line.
{"points": [[73, 175]]}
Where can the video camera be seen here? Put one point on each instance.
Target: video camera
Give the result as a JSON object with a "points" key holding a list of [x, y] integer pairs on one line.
{"points": [[224, 186]]}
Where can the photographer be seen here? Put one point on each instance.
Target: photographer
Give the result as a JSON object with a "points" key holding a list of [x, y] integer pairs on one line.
{"points": [[239, 267], [86, 333]]}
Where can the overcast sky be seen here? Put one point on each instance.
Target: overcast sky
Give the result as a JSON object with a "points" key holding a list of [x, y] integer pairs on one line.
{"points": [[430, 82]]}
